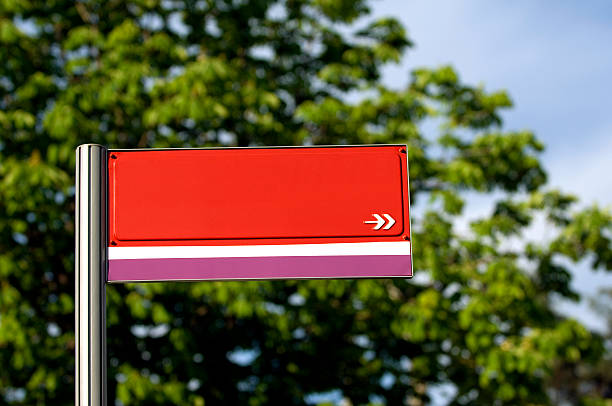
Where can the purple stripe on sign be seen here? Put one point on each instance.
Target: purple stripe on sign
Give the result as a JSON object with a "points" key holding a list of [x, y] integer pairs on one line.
{"points": [[347, 266]]}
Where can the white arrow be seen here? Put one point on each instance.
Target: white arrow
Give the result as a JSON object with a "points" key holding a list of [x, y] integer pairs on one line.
{"points": [[391, 221], [380, 222]]}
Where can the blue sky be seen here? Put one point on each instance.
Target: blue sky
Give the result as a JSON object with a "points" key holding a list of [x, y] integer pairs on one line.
{"points": [[555, 60]]}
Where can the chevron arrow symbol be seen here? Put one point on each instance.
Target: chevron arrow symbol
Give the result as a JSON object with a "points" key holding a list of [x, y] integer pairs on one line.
{"points": [[390, 223], [380, 221]]}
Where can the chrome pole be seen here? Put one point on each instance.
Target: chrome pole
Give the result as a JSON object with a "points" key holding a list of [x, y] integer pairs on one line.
{"points": [[90, 263]]}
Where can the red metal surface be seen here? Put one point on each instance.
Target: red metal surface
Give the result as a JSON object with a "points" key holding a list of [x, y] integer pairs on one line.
{"points": [[257, 196]]}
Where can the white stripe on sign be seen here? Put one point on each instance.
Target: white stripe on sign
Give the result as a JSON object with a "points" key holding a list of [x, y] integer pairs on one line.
{"points": [[238, 251]]}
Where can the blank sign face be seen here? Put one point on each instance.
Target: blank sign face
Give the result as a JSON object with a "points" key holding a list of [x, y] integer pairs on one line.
{"points": [[258, 213]]}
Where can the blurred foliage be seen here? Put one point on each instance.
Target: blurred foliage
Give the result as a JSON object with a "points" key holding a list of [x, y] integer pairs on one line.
{"points": [[148, 73]]}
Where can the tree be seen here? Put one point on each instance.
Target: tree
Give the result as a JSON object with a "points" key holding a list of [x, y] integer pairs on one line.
{"points": [[170, 73]]}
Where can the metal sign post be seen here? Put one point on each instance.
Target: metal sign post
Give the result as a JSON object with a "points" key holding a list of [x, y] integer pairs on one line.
{"points": [[90, 261], [230, 214]]}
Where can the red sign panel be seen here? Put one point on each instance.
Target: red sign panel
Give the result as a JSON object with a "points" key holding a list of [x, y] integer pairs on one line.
{"points": [[258, 213]]}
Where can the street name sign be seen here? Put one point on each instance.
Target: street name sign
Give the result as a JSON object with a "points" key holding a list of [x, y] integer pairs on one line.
{"points": [[258, 213]]}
